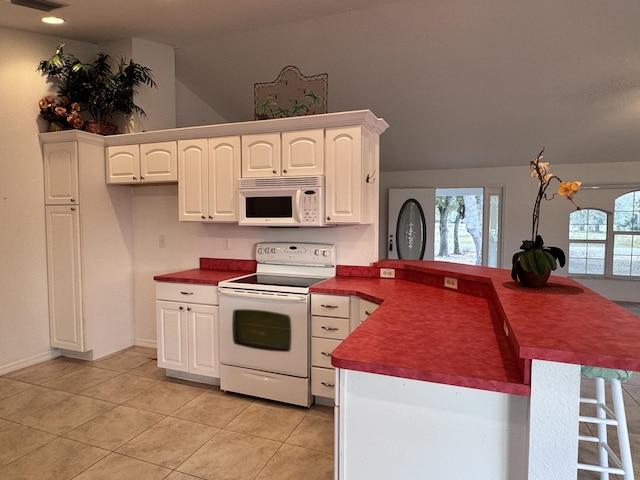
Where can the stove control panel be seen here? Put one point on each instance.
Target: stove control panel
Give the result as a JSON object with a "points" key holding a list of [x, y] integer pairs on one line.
{"points": [[320, 254]]}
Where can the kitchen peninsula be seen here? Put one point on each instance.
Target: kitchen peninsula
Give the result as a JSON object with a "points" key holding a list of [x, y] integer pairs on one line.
{"points": [[478, 381]]}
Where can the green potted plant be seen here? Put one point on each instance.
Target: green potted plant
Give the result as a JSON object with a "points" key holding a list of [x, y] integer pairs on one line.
{"points": [[534, 263], [97, 87]]}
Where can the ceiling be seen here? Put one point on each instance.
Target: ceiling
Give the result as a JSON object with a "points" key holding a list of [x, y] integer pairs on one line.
{"points": [[462, 83]]}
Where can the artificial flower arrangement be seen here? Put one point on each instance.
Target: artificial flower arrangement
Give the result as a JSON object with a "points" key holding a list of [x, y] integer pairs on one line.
{"points": [[534, 255], [61, 112]]}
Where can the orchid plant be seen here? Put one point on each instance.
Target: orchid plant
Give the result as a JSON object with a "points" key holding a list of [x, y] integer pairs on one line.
{"points": [[535, 257]]}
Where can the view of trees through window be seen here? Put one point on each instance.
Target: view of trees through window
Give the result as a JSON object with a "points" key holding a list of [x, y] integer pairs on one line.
{"points": [[601, 245], [458, 229]]}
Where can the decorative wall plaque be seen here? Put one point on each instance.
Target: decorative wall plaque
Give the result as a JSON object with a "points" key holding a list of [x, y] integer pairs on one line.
{"points": [[291, 94]]}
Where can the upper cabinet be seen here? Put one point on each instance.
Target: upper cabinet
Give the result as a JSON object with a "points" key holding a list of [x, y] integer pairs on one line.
{"points": [[290, 153], [145, 163], [351, 164], [209, 170], [60, 173]]}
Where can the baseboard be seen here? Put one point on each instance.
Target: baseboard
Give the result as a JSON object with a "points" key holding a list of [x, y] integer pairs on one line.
{"points": [[27, 362], [143, 342]]}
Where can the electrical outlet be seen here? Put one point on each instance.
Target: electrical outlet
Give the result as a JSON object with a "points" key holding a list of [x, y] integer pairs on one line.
{"points": [[226, 244], [387, 273], [450, 282]]}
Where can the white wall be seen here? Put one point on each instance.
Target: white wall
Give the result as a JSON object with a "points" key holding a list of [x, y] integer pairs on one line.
{"points": [[24, 327], [519, 193], [191, 111]]}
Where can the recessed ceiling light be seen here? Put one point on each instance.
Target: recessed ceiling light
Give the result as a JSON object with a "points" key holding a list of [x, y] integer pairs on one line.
{"points": [[53, 20]]}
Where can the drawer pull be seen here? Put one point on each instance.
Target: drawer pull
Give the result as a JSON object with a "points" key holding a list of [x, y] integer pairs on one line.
{"points": [[367, 313], [329, 329], [186, 293], [328, 385], [329, 306], [326, 354]]}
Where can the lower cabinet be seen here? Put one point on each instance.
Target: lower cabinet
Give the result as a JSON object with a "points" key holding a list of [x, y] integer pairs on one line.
{"points": [[187, 328], [333, 317]]}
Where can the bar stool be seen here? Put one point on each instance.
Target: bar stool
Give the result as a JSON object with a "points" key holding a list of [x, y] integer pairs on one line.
{"points": [[623, 465]]}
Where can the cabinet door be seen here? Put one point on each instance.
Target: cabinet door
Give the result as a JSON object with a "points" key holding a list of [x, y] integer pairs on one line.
{"points": [[64, 276], [123, 164], [61, 173], [193, 175], [158, 162], [202, 321], [224, 172], [343, 165], [171, 325], [261, 155], [303, 152]]}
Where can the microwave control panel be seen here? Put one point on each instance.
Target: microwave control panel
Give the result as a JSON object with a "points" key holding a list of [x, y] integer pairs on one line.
{"points": [[310, 203]]}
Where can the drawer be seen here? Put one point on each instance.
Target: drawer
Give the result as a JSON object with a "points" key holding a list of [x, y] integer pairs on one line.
{"points": [[323, 381], [321, 349], [330, 305], [329, 327], [366, 308], [187, 292]]}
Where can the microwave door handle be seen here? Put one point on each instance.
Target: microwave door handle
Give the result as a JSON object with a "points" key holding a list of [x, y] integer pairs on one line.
{"points": [[296, 205]]}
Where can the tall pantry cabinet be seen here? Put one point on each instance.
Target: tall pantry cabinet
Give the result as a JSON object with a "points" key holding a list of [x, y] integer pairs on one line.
{"points": [[89, 248]]}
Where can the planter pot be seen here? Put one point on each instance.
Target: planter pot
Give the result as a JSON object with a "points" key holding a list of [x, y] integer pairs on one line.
{"points": [[101, 128], [531, 280]]}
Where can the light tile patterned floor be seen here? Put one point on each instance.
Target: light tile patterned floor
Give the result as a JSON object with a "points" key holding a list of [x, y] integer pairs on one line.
{"points": [[121, 418]]}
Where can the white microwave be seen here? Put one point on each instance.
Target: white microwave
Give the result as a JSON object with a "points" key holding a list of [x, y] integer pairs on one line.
{"points": [[282, 201]]}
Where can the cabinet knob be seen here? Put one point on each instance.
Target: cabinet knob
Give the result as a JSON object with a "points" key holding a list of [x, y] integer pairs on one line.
{"points": [[72, 199], [203, 217], [134, 178], [180, 307], [284, 171], [188, 309], [210, 217], [141, 178], [329, 218], [73, 209], [274, 172]]}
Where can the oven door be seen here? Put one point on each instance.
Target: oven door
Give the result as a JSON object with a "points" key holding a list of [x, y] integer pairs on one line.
{"points": [[265, 331]]}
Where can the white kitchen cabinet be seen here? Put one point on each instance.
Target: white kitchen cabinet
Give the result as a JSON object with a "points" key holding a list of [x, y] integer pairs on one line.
{"points": [[64, 277], [303, 152], [187, 328], [329, 326], [292, 153], [60, 173], [144, 163], [208, 172], [351, 168], [89, 265]]}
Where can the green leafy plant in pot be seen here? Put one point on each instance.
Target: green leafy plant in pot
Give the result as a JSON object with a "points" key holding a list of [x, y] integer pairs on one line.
{"points": [[534, 263], [100, 89]]}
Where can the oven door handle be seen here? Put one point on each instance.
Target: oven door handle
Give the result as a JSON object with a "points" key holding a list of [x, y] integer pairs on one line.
{"points": [[286, 297]]}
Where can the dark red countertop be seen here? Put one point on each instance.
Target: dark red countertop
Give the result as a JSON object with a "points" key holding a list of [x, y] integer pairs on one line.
{"points": [[211, 271], [423, 331]]}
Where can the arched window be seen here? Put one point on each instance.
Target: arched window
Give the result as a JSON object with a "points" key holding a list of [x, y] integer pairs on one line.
{"points": [[626, 235], [601, 243], [587, 242]]}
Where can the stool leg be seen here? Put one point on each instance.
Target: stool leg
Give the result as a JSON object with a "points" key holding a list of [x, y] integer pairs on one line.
{"points": [[623, 432], [602, 427]]}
